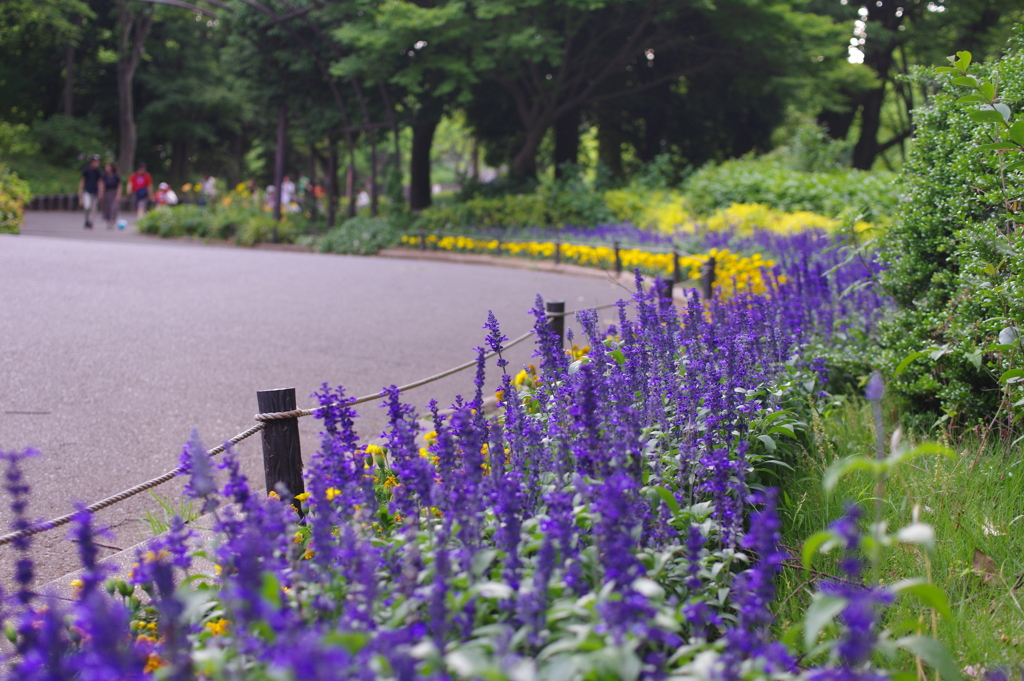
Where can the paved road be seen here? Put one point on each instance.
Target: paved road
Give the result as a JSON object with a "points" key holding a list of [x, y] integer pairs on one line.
{"points": [[113, 345]]}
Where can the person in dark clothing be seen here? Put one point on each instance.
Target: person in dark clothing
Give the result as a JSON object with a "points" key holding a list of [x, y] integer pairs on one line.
{"points": [[90, 189], [111, 196]]}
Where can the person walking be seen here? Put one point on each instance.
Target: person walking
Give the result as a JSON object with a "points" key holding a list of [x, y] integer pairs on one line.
{"points": [[110, 199], [89, 188], [208, 189], [140, 183]]}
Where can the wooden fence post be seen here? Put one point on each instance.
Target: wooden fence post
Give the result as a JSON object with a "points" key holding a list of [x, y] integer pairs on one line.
{"points": [[555, 310], [618, 259], [282, 454], [707, 278], [558, 251], [677, 276]]}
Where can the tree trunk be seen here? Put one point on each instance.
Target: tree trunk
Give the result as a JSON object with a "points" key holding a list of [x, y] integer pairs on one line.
{"points": [[567, 140], [609, 149], [420, 195], [134, 29], [866, 150], [837, 123], [179, 161], [282, 130], [524, 164], [331, 180], [474, 168], [350, 179], [69, 80], [373, 173]]}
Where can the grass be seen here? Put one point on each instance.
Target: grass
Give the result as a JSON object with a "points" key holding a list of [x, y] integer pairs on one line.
{"points": [[169, 507], [975, 503]]}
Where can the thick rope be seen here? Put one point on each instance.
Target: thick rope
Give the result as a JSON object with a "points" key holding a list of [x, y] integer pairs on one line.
{"points": [[260, 423], [121, 496]]}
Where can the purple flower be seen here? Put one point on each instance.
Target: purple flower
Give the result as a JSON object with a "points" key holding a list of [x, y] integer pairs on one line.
{"points": [[196, 463], [495, 338], [875, 388], [18, 490]]}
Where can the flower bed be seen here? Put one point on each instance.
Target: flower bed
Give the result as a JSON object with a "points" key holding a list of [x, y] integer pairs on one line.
{"points": [[603, 525], [733, 272]]}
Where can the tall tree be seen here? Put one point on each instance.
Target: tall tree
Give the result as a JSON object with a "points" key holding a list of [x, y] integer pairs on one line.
{"points": [[135, 21]]}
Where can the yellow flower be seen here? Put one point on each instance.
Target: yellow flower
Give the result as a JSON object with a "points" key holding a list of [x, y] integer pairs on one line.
{"points": [[332, 492], [226, 201], [218, 627], [154, 662], [145, 638], [273, 495], [499, 395], [431, 436], [374, 450], [308, 554], [297, 539], [303, 496]]}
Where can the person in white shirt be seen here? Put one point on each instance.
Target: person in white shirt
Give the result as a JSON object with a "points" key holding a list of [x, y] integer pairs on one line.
{"points": [[287, 192]]}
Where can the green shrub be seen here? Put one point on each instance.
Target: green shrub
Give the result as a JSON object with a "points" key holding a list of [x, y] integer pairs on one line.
{"points": [[841, 192], [559, 203], [361, 235], [13, 195], [259, 227], [955, 258]]}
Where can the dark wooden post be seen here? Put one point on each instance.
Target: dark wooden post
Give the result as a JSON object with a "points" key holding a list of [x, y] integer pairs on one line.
{"points": [[555, 310], [707, 278], [666, 289], [558, 251], [423, 239], [282, 455], [677, 276], [618, 259]]}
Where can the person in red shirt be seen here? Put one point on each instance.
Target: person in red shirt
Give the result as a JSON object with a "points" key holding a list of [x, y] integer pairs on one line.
{"points": [[140, 183]]}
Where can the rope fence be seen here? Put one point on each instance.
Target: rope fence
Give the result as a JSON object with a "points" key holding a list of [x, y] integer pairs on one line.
{"points": [[555, 316]]}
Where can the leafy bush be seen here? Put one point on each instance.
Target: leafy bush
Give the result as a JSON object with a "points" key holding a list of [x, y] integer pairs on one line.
{"points": [[559, 203], [846, 193], [248, 226], [13, 195], [361, 235], [955, 256], [67, 141]]}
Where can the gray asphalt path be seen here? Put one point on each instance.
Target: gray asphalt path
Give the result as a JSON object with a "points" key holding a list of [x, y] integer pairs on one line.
{"points": [[113, 345]]}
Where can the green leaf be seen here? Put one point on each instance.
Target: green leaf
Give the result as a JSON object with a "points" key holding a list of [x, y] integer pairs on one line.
{"points": [[972, 98], [945, 69], [963, 60], [927, 593], [669, 498], [997, 146], [769, 443], [907, 360], [1003, 110], [1012, 376], [985, 116], [932, 652], [819, 614], [848, 465], [966, 81], [814, 543], [1017, 132], [271, 589], [1016, 165], [987, 90], [975, 359]]}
